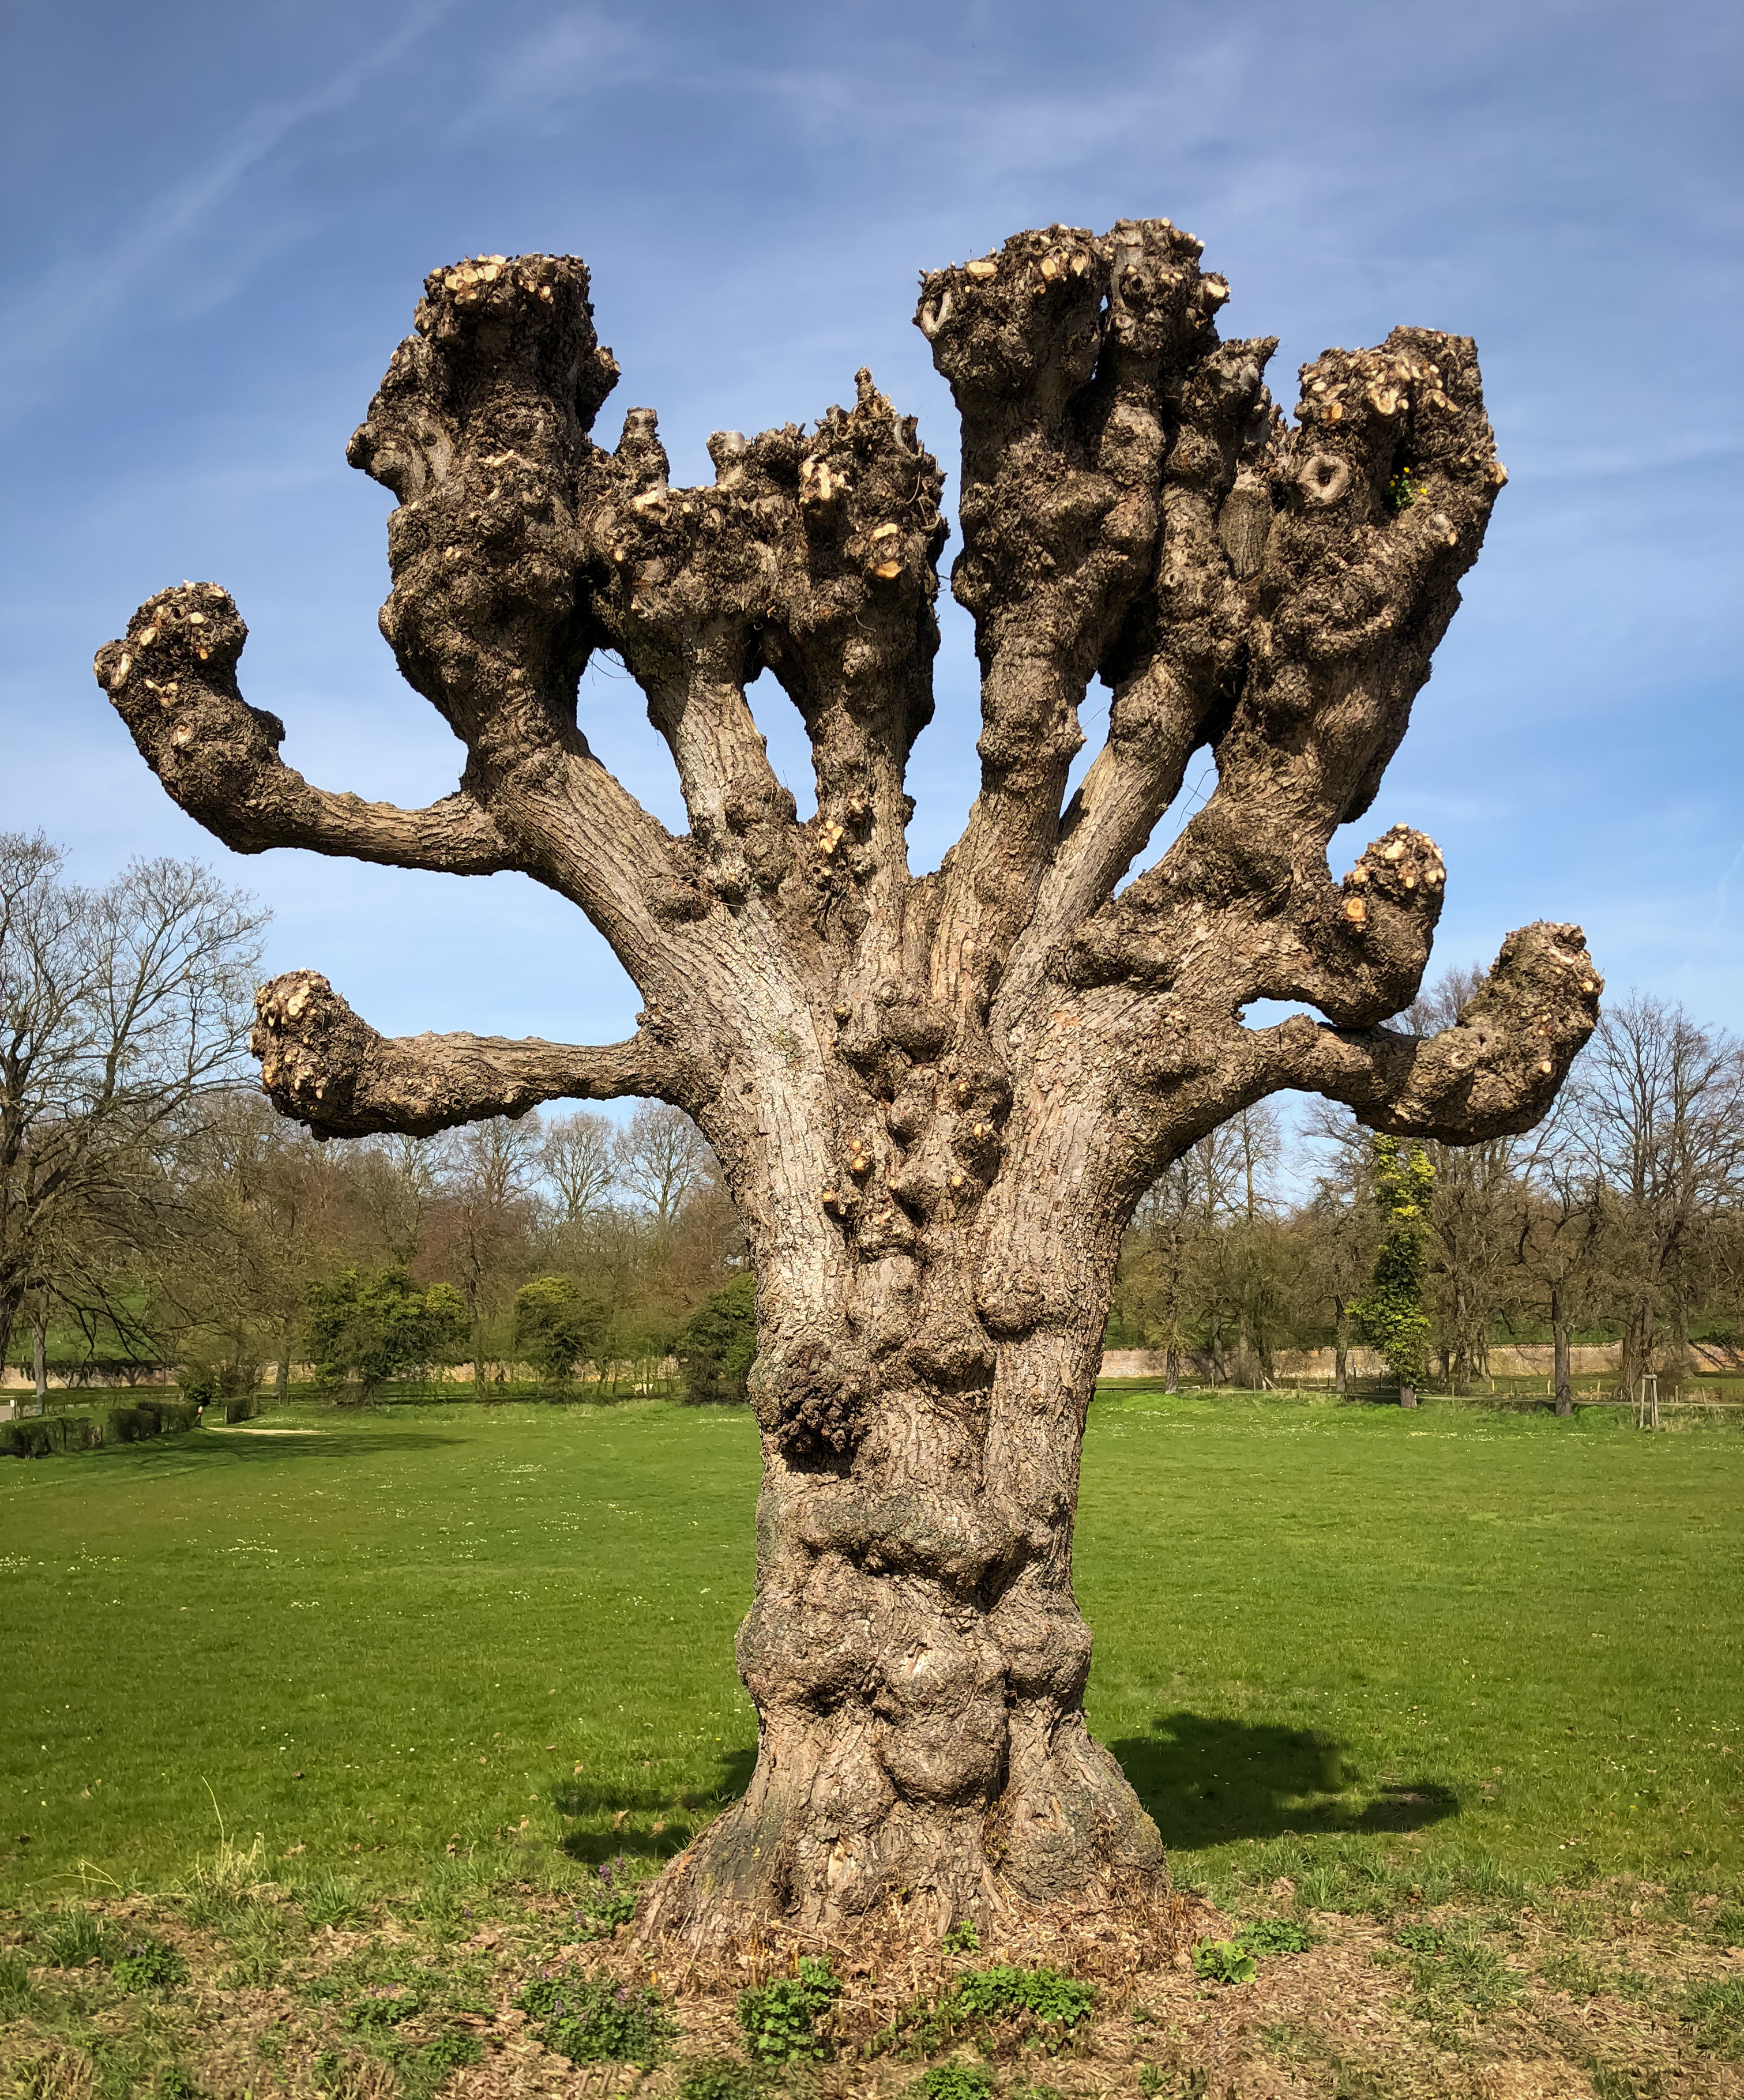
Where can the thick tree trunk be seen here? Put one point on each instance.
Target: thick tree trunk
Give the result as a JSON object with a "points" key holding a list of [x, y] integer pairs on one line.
{"points": [[918, 1662], [39, 1359], [281, 1369]]}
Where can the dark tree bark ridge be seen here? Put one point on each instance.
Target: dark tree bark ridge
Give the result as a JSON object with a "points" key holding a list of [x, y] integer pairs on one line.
{"points": [[934, 1099]]}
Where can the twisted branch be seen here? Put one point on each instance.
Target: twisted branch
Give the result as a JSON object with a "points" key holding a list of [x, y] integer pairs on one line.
{"points": [[324, 1067], [173, 681]]}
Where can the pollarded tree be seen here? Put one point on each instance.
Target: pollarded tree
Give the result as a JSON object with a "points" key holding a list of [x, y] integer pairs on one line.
{"points": [[935, 1099]]}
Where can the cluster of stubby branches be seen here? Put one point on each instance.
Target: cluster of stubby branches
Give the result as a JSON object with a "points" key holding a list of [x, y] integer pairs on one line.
{"points": [[1133, 508]]}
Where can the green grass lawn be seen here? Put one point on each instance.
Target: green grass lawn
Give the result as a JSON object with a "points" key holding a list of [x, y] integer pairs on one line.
{"points": [[363, 1639]]}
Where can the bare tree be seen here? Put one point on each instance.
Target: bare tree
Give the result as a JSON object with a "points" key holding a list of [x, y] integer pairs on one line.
{"points": [[576, 1159], [1340, 1228], [1562, 1243], [480, 1232], [935, 1099], [262, 1211], [398, 1180], [120, 1009], [1656, 1115], [662, 1159]]}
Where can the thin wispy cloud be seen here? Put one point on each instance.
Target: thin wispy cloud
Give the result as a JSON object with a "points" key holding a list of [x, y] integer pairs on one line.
{"points": [[76, 298], [540, 78]]}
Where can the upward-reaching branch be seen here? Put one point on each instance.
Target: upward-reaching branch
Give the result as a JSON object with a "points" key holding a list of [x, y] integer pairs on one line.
{"points": [[1066, 354], [813, 554]]}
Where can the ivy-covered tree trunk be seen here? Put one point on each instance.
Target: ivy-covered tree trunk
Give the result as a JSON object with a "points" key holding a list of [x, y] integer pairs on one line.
{"points": [[1392, 1316], [935, 1099]]}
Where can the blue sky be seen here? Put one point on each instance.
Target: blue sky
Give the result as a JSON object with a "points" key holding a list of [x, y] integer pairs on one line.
{"points": [[219, 217]]}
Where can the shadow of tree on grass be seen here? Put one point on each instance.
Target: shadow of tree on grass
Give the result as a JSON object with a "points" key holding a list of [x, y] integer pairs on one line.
{"points": [[648, 1822], [1209, 1781]]}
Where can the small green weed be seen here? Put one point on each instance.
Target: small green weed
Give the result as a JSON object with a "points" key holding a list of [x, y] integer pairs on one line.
{"points": [[1463, 1971], [77, 1938], [422, 2070], [610, 1903], [598, 2021], [1224, 1961], [143, 1963], [332, 1901], [964, 1938], [720, 2078], [1728, 1926], [1716, 2007], [16, 1989], [1042, 2001], [175, 2081], [1321, 1888], [954, 2081], [1276, 1935], [380, 2008], [779, 2018], [1403, 491], [1419, 1938], [1003, 1992]]}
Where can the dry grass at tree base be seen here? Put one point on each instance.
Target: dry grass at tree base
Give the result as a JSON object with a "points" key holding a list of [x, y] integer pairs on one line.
{"points": [[1615, 1994]]}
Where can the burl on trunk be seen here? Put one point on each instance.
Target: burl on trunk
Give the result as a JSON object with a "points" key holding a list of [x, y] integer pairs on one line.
{"points": [[936, 1099]]}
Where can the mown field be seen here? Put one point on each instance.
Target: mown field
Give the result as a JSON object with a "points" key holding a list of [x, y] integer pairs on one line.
{"points": [[365, 1638], [319, 1732]]}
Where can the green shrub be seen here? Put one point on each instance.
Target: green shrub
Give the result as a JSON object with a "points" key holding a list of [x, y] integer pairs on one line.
{"points": [[597, 2021], [1224, 1961], [375, 1328], [242, 1407], [716, 1348], [135, 1421], [779, 2019], [199, 1382], [42, 1436], [144, 1963]]}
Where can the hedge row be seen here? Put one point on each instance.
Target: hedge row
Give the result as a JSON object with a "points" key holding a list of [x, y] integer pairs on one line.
{"points": [[133, 1424], [36, 1435]]}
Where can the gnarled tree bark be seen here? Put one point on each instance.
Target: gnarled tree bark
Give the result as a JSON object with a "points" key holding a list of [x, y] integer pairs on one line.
{"points": [[936, 1100]]}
